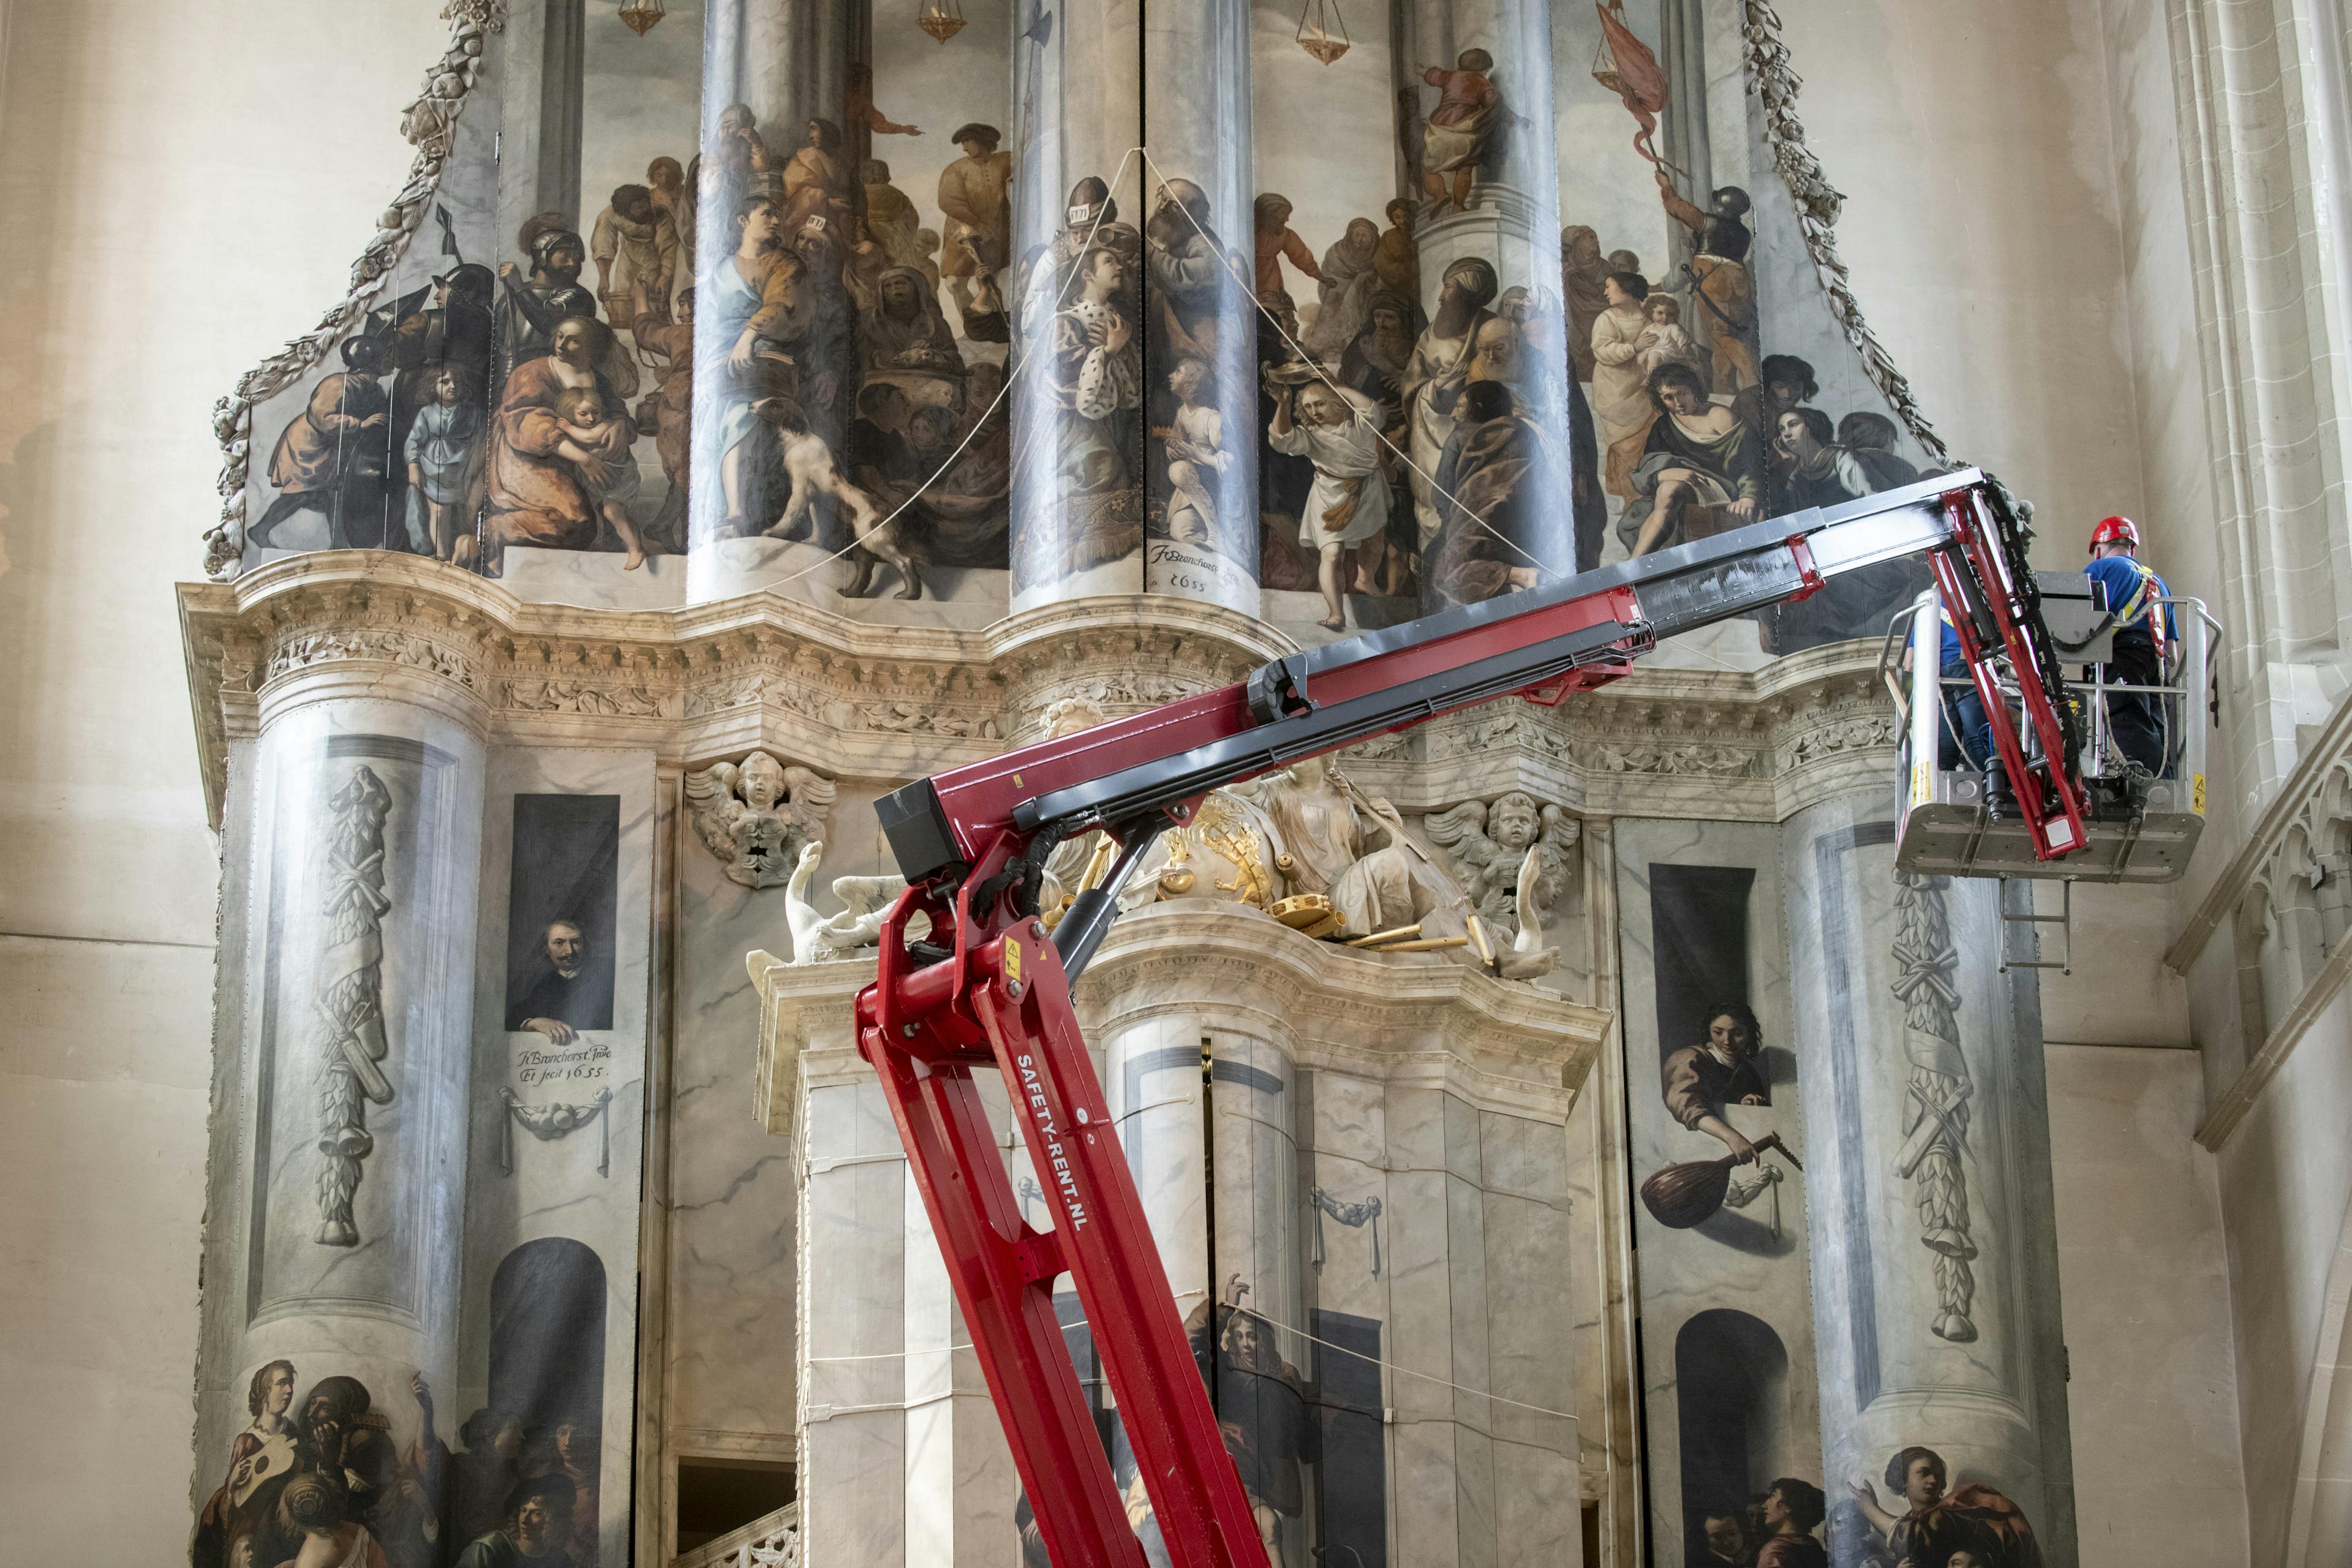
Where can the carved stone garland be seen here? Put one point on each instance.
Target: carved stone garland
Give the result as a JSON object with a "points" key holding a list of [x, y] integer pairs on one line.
{"points": [[350, 1001], [1935, 1094], [430, 125]]}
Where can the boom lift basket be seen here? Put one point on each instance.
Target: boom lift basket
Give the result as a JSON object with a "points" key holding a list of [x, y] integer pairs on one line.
{"points": [[1944, 827]]}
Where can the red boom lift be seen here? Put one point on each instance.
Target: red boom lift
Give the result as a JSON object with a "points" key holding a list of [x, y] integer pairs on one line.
{"points": [[990, 988]]}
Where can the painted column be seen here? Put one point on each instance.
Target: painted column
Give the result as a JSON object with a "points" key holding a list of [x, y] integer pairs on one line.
{"points": [[1203, 1095], [1200, 358], [354, 1043], [542, 95], [775, 77], [1927, 1180], [1078, 415], [1486, 232]]}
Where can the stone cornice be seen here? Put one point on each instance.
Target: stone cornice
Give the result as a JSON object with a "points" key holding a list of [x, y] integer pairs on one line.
{"points": [[887, 703], [867, 700], [1508, 1042]]}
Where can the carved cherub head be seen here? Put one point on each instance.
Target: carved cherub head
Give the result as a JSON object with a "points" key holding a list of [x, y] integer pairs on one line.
{"points": [[1514, 822], [756, 814], [760, 781], [1068, 715]]}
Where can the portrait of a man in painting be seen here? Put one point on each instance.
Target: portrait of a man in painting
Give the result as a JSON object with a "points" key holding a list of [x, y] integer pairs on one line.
{"points": [[538, 1528], [566, 998], [560, 944]]}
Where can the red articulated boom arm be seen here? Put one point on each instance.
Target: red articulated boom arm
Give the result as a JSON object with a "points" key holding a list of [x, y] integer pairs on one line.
{"points": [[990, 989]]}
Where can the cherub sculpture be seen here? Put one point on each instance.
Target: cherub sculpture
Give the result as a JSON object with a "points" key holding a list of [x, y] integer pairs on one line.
{"points": [[817, 937], [1488, 848], [755, 816]]}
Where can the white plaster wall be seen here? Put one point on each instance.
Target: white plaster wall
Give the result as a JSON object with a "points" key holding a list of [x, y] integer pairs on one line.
{"points": [[2153, 1396], [188, 186], [1972, 142], [2284, 1177], [2120, 993]]}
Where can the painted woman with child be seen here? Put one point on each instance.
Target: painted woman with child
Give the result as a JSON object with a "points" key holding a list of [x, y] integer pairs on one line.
{"points": [[559, 450]]}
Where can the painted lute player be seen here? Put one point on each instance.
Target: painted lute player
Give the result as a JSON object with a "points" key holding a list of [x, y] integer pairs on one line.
{"points": [[1698, 1081]]}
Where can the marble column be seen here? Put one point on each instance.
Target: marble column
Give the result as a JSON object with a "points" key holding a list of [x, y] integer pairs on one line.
{"points": [[1487, 237], [1200, 359], [1079, 414], [775, 78], [1936, 1287], [355, 1029]]}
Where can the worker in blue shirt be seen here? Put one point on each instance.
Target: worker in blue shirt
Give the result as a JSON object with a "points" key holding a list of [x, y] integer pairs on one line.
{"points": [[2145, 629], [1967, 732]]}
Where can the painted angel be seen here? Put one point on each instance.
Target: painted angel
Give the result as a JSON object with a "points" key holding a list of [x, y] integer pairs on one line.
{"points": [[755, 816]]}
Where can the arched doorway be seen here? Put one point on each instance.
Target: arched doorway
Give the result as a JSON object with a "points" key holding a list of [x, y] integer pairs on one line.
{"points": [[547, 1336], [1731, 1379]]}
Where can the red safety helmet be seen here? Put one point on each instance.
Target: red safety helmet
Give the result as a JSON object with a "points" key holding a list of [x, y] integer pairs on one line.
{"points": [[2111, 529]]}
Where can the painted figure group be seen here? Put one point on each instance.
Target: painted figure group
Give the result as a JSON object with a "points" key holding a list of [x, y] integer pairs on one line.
{"points": [[841, 408], [853, 360], [321, 1484], [1926, 1522], [513, 417]]}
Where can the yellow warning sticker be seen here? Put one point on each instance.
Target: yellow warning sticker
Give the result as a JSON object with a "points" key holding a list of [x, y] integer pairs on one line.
{"points": [[1919, 783], [1012, 959], [2197, 794]]}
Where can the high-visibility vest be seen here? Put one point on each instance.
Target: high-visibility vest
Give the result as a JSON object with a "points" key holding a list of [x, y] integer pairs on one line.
{"points": [[2150, 588]]}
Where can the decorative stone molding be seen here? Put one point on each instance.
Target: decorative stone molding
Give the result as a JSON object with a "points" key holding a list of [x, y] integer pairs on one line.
{"points": [[1501, 1045], [889, 703], [803, 1007], [2286, 896], [881, 702], [430, 125]]}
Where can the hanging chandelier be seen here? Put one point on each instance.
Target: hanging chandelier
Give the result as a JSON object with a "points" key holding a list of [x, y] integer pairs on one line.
{"points": [[942, 19], [641, 14], [1316, 18]]}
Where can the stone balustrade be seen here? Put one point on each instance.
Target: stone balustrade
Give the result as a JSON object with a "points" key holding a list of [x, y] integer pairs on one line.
{"points": [[2285, 902]]}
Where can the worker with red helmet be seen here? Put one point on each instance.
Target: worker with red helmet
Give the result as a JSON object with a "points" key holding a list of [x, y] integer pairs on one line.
{"points": [[2145, 628]]}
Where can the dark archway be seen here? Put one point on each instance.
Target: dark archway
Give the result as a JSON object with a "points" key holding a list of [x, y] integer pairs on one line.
{"points": [[547, 1335], [1731, 1378]]}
